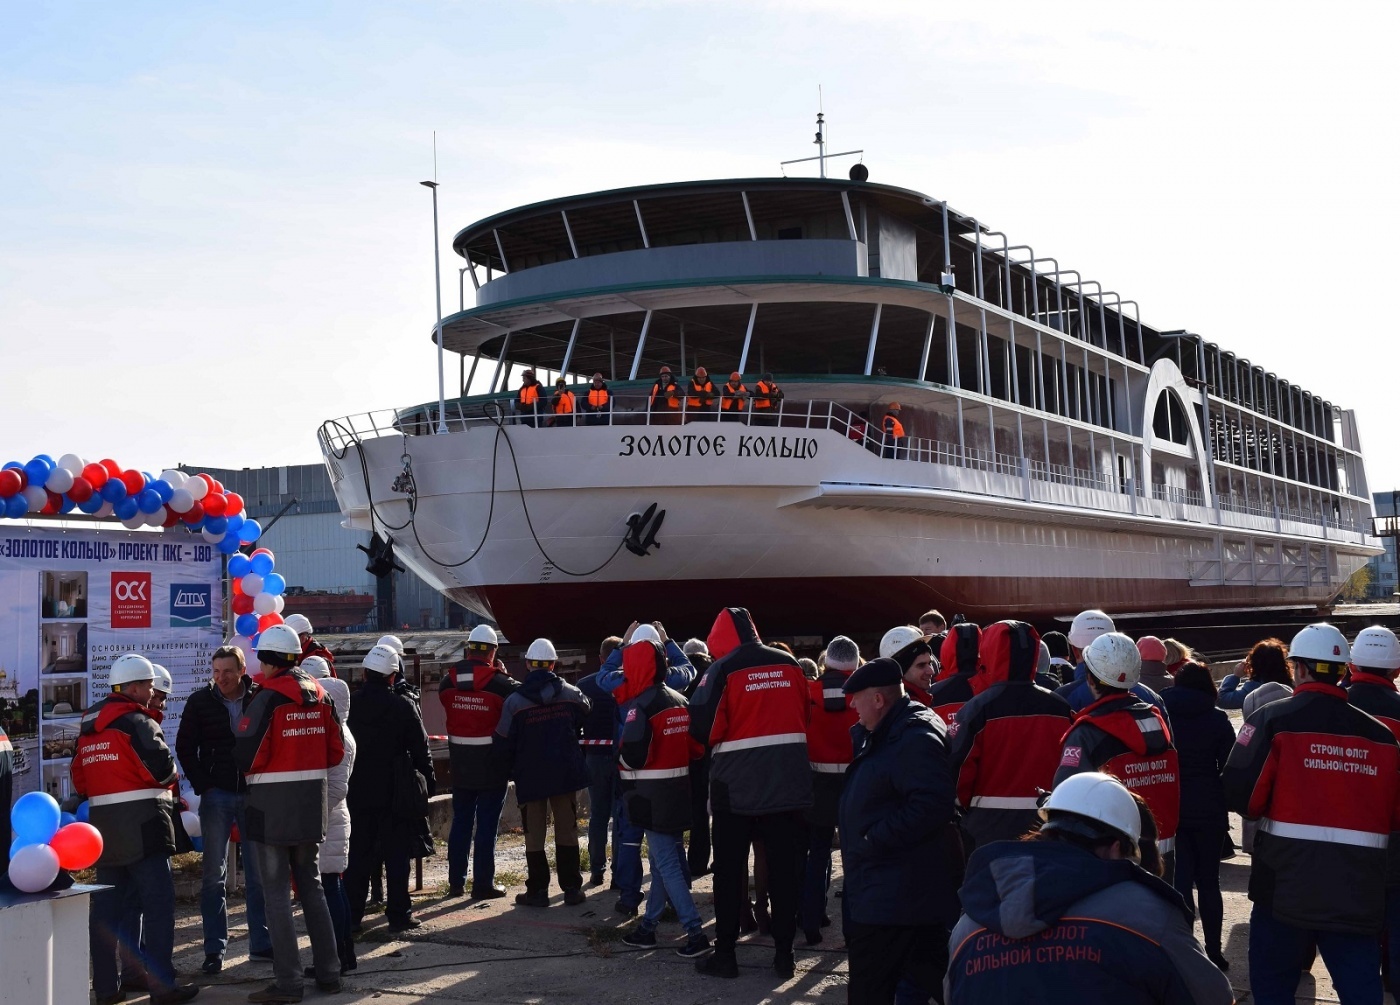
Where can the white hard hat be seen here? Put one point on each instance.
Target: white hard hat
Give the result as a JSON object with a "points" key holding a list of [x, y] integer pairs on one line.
{"points": [[162, 680], [1087, 626], [897, 638], [542, 651], [298, 623], [382, 660], [316, 666], [392, 641], [131, 668], [1114, 659], [694, 647], [279, 639], [1377, 649], [1320, 642], [645, 633], [484, 635], [1095, 796]]}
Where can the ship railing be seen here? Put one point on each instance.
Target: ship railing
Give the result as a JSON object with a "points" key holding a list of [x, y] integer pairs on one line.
{"points": [[1176, 494]]}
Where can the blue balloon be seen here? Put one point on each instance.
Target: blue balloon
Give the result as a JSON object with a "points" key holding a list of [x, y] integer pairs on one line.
{"points": [[235, 522], [274, 583], [216, 525], [17, 844], [262, 565], [93, 504], [229, 545], [163, 489], [47, 460], [253, 640], [13, 464], [82, 812], [68, 505], [126, 509], [112, 490], [148, 501], [239, 566], [64, 819], [246, 624], [35, 817], [250, 531], [37, 471], [16, 507]]}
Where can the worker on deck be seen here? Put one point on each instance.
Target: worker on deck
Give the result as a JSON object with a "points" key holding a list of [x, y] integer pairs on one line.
{"points": [[598, 403], [764, 406], [561, 406], [895, 438], [300, 624], [664, 402], [700, 396], [527, 399], [733, 399]]}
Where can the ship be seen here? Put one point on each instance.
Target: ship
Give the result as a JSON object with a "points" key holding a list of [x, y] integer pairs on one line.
{"points": [[1057, 452]]}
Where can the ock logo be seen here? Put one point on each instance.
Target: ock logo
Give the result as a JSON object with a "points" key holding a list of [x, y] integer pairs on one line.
{"points": [[131, 600], [191, 605], [1072, 757]]}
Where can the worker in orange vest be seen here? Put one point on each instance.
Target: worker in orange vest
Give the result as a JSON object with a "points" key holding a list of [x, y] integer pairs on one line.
{"points": [[732, 398], [527, 399], [670, 404], [562, 404], [895, 440], [764, 406], [700, 398], [598, 403]]}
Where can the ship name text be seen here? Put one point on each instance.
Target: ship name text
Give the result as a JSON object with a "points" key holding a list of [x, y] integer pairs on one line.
{"points": [[801, 448]]}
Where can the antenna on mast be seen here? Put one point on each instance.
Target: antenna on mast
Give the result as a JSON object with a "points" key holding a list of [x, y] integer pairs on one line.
{"points": [[858, 172]]}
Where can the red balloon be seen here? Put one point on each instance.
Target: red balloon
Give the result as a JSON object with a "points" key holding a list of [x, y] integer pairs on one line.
{"points": [[237, 586], [113, 469], [134, 482], [171, 518], [235, 504], [81, 491], [261, 551], [268, 620], [215, 504], [208, 481], [96, 475], [78, 846], [11, 482], [195, 514], [54, 504], [242, 604]]}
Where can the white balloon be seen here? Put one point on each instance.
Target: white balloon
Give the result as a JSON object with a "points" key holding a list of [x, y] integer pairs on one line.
{"points": [[157, 518], [173, 477], [210, 536], [71, 463], [135, 522], [60, 480], [264, 603], [106, 510], [191, 821], [198, 488], [281, 603], [34, 867], [181, 501], [252, 584], [191, 798], [36, 497]]}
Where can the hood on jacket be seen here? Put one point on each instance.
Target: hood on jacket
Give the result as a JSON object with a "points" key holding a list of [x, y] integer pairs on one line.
{"points": [[1008, 650], [643, 667], [482, 671], [733, 628], [1021, 888], [959, 654], [1128, 728], [298, 685], [543, 686], [114, 706], [1187, 703]]}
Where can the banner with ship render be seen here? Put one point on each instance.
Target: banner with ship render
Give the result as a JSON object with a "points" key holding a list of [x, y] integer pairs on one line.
{"points": [[71, 602]]}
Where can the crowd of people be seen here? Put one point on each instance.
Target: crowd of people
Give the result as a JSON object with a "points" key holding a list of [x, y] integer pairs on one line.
{"points": [[1017, 815]]}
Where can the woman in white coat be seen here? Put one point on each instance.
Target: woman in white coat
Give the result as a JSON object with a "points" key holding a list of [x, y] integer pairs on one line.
{"points": [[335, 849]]}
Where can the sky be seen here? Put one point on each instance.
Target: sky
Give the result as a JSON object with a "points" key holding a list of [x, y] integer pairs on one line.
{"points": [[213, 239]]}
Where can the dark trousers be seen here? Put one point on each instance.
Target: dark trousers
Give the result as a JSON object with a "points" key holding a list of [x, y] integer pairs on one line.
{"points": [[1277, 953], [339, 906], [1198, 868], [784, 837], [602, 793], [816, 879], [476, 810], [150, 882], [882, 955], [698, 852], [370, 832]]}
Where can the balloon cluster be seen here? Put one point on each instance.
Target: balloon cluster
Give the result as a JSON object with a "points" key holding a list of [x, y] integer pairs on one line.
{"points": [[46, 840], [257, 596], [136, 498]]}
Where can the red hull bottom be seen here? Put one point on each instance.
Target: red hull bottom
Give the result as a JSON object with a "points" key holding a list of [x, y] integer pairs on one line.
{"points": [[782, 608]]}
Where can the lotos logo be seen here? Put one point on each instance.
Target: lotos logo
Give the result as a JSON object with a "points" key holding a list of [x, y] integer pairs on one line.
{"points": [[131, 600], [191, 605]]}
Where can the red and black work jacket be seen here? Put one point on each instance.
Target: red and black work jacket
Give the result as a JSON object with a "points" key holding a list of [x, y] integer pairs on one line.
{"points": [[751, 708], [1323, 777], [1005, 742], [829, 748], [1123, 736], [958, 659], [1375, 695], [313, 648], [286, 744], [124, 768], [472, 694], [656, 748]]}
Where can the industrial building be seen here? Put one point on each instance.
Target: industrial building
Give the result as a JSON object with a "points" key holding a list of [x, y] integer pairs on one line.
{"points": [[1383, 567]]}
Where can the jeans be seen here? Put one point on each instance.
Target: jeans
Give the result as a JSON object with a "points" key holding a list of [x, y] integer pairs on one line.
{"points": [[219, 809], [1277, 953], [602, 793], [669, 882], [339, 906], [816, 880], [151, 882], [1198, 867], [784, 837], [627, 856], [281, 865], [369, 829], [478, 809]]}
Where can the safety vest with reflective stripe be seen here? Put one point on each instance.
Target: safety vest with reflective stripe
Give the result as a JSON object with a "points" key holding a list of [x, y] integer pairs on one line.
{"points": [[893, 427], [765, 395], [701, 395], [563, 403], [732, 400], [667, 387]]}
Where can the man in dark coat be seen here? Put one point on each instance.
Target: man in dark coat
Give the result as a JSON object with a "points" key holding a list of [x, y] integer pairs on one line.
{"points": [[386, 822], [899, 849]]}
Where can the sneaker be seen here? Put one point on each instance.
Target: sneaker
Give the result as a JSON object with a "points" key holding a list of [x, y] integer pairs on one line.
{"points": [[213, 964], [695, 946], [783, 964], [183, 993], [272, 993], [405, 925], [575, 897], [718, 965], [625, 909], [487, 892], [640, 937], [528, 899], [260, 954]]}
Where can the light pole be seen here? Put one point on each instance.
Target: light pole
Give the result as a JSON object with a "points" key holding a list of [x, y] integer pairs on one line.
{"points": [[437, 278]]}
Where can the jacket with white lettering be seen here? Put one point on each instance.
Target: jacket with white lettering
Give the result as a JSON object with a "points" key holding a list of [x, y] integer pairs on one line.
{"points": [[1123, 736], [751, 709], [829, 748], [1375, 695], [1005, 742], [473, 693], [654, 754], [1324, 779], [286, 744], [537, 737], [124, 768]]}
